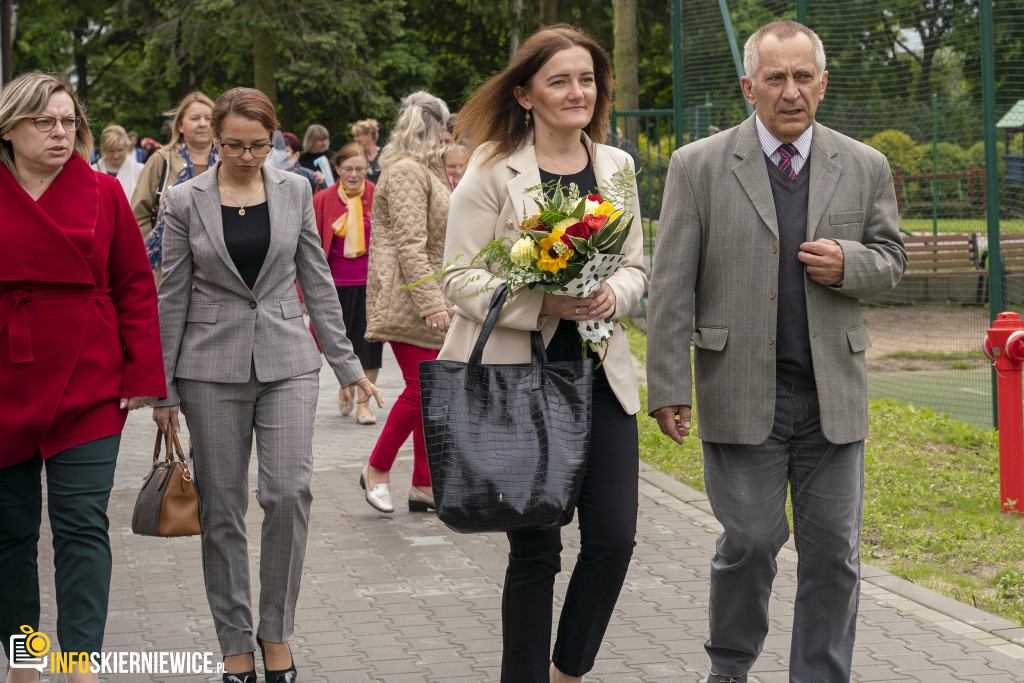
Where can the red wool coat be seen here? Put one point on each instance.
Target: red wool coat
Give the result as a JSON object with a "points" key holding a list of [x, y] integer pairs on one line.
{"points": [[78, 315]]}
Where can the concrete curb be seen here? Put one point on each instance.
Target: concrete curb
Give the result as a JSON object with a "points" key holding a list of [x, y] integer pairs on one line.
{"points": [[918, 599]]}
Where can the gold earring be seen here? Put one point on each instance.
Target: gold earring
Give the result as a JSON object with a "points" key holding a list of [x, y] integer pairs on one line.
{"points": [[527, 118]]}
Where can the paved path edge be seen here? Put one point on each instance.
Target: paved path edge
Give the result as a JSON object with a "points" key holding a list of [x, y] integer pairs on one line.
{"points": [[926, 598]]}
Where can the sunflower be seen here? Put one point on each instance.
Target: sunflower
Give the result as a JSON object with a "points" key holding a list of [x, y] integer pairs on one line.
{"points": [[552, 255]]}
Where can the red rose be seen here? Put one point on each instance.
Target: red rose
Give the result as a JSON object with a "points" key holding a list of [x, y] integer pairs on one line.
{"points": [[595, 198], [575, 230], [594, 223]]}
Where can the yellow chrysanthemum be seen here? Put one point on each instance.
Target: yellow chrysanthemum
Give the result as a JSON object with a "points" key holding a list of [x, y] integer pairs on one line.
{"points": [[553, 254]]}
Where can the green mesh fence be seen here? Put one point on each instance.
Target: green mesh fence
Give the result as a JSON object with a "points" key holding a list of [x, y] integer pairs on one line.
{"points": [[905, 78]]}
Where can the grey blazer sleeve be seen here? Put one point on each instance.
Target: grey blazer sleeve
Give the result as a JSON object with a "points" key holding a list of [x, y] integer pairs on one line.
{"points": [[875, 265], [671, 302], [321, 296], [176, 287]]}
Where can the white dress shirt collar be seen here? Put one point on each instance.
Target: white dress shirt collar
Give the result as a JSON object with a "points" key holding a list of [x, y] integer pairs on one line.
{"points": [[770, 144]]}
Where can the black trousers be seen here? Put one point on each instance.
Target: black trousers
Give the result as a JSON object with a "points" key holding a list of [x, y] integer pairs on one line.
{"points": [[606, 513]]}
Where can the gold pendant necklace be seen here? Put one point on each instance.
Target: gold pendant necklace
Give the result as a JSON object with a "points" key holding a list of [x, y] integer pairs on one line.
{"points": [[559, 167], [241, 205]]}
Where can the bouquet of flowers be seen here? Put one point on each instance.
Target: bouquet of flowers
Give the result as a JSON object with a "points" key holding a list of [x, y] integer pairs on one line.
{"points": [[570, 246]]}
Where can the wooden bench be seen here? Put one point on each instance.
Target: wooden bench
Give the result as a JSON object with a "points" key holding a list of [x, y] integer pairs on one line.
{"points": [[943, 268], [948, 255], [1011, 252]]}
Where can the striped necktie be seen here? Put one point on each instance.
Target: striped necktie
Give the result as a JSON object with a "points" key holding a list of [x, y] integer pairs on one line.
{"points": [[786, 154]]}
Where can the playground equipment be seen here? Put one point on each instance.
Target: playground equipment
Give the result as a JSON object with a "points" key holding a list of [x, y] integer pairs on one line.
{"points": [[1004, 344]]}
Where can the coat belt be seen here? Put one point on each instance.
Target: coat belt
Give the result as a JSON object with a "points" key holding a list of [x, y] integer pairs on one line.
{"points": [[15, 317]]}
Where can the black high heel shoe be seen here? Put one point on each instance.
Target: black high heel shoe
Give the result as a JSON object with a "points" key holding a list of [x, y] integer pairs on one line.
{"points": [[288, 675], [247, 677]]}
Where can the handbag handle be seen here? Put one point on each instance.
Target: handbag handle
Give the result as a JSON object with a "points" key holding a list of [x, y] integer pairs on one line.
{"points": [[173, 446], [537, 352]]}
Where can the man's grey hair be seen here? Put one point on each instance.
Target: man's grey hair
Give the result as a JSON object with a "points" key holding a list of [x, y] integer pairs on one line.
{"points": [[781, 30]]}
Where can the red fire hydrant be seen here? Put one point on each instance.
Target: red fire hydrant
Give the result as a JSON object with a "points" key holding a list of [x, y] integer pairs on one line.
{"points": [[1004, 344]]}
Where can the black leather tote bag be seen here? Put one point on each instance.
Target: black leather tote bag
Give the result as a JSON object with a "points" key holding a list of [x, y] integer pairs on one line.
{"points": [[507, 445]]}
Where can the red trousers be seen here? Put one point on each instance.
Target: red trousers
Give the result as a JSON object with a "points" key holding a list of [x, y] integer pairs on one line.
{"points": [[405, 416]]}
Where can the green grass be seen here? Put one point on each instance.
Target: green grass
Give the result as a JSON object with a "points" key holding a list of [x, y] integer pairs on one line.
{"points": [[937, 356], [1006, 225], [931, 504]]}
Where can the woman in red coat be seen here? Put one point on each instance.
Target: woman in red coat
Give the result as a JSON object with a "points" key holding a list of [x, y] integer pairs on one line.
{"points": [[79, 348], [343, 221]]}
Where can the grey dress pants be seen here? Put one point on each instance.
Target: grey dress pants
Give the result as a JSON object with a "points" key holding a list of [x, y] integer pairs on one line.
{"points": [[222, 419]]}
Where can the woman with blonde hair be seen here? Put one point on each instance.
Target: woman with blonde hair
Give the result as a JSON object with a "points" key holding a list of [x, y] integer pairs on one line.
{"points": [[316, 143], [541, 121], [365, 133], [410, 211], [81, 347], [118, 158], [189, 153]]}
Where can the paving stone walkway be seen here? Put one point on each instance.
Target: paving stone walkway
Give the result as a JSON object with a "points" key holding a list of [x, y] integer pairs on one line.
{"points": [[401, 598]]}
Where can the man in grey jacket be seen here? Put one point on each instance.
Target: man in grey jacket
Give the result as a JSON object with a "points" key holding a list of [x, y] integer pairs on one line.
{"points": [[771, 232]]}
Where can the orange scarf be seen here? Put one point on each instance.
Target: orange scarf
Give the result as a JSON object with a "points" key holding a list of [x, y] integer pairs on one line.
{"points": [[355, 239]]}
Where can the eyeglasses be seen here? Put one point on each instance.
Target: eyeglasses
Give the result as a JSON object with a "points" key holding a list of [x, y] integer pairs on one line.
{"points": [[352, 169], [44, 124], [258, 150]]}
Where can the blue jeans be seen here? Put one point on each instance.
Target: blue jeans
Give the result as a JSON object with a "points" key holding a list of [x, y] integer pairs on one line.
{"points": [[746, 486]]}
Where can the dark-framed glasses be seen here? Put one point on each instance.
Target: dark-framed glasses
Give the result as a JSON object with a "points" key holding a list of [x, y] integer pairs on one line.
{"points": [[44, 124], [231, 149]]}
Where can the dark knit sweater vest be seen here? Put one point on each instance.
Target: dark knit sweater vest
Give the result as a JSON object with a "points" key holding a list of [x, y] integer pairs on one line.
{"points": [[793, 362]]}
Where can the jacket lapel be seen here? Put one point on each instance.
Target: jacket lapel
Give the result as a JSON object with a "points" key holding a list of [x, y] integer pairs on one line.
{"points": [[604, 166], [824, 178], [752, 173], [279, 203], [524, 163], [206, 195], [49, 240]]}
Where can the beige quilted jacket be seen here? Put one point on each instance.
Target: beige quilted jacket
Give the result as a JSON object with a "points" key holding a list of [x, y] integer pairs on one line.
{"points": [[408, 223]]}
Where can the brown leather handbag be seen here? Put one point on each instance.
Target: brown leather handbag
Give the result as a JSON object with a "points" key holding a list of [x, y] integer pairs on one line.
{"points": [[167, 504]]}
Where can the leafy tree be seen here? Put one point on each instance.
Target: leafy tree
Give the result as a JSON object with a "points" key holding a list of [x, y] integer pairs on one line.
{"points": [[899, 148]]}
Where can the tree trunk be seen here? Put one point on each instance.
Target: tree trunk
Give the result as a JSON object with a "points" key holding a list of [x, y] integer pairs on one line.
{"points": [[548, 12], [513, 43], [81, 67], [287, 117], [264, 53], [6, 40], [627, 84]]}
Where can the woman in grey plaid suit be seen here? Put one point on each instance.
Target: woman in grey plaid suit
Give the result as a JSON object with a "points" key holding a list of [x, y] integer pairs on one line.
{"points": [[240, 361]]}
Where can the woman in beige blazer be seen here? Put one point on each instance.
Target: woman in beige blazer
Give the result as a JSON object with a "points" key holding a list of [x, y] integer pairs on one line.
{"points": [[540, 120], [410, 211]]}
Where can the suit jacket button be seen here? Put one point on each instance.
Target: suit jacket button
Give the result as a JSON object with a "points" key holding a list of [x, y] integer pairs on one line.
{"points": [[771, 338], [771, 293], [775, 249], [252, 304]]}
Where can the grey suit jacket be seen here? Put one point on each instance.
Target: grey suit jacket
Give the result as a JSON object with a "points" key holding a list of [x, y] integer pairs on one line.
{"points": [[212, 326], [715, 274]]}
